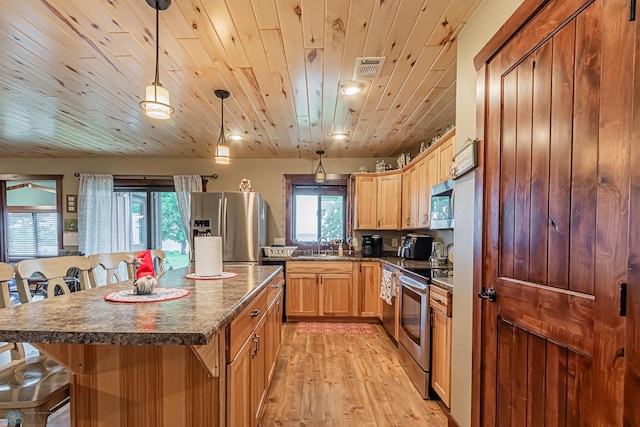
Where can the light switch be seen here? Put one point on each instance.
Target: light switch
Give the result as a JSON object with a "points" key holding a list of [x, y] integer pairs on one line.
{"points": [[394, 243]]}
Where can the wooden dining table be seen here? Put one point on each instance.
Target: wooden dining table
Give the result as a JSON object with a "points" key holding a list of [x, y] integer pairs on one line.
{"points": [[141, 364]]}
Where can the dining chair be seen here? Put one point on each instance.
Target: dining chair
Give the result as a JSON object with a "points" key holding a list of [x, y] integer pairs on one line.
{"points": [[31, 387], [158, 257], [56, 271], [111, 263]]}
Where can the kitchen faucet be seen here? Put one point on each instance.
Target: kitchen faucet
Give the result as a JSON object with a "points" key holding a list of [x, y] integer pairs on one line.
{"points": [[320, 243]]}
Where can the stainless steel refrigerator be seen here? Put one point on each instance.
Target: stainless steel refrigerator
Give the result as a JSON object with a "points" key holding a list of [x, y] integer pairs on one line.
{"points": [[239, 218]]}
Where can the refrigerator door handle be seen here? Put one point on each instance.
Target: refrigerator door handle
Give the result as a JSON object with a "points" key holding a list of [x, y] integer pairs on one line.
{"points": [[223, 218], [220, 219]]}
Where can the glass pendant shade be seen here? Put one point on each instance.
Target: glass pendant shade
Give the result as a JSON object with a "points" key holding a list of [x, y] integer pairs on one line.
{"points": [[221, 150], [222, 155], [157, 103], [320, 174]]}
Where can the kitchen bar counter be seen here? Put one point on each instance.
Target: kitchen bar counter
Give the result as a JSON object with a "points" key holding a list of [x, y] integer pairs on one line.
{"points": [[86, 318], [144, 364]]}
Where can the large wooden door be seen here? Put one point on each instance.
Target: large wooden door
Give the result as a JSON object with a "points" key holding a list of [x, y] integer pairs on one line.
{"points": [[558, 98], [632, 310]]}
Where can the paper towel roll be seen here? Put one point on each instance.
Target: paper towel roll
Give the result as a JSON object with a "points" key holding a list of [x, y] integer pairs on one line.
{"points": [[208, 254]]}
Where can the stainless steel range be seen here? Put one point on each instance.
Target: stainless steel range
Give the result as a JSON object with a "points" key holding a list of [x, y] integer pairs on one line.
{"points": [[414, 337]]}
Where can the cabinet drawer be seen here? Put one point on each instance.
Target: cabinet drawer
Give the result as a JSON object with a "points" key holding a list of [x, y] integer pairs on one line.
{"points": [[319, 267], [241, 326], [440, 300], [273, 288]]}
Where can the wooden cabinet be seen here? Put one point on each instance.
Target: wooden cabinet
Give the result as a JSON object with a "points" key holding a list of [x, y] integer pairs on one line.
{"points": [[239, 394], [302, 294], [366, 202], [445, 154], [426, 170], [440, 303], [336, 293], [388, 209], [273, 335], [377, 201], [254, 342], [369, 286], [319, 288], [406, 199]]}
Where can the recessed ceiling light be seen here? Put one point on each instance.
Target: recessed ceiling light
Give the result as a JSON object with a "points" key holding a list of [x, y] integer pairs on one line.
{"points": [[236, 137], [351, 88], [339, 136]]}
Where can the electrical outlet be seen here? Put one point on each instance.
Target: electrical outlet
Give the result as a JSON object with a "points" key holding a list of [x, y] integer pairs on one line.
{"points": [[394, 243]]}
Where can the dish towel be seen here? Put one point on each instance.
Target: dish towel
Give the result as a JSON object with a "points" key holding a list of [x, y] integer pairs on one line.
{"points": [[387, 286]]}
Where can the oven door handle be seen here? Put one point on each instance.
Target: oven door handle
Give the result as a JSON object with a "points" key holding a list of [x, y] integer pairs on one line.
{"points": [[416, 287]]}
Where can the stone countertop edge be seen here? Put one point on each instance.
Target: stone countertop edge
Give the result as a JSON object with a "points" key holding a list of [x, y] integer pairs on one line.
{"points": [[395, 262], [390, 260], [445, 283], [199, 332]]}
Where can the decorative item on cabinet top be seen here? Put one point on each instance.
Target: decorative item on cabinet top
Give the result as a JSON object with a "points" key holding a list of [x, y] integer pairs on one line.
{"points": [[245, 185], [403, 160]]}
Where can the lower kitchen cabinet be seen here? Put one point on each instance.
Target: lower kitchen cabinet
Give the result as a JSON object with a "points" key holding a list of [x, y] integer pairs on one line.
{"points": [[336, 290], [440, 303], [255, 338], [319, 288], [274, 335], [369, 284], [302, 294]]}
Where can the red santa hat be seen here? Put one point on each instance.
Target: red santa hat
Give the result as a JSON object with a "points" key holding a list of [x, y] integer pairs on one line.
{"points": [[145, 264]]}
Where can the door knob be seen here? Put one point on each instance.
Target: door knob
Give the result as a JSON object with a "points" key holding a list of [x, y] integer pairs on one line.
{"points": [[489, 294]]}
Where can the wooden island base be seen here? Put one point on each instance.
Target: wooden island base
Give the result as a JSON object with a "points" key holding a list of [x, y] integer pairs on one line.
{"points": [[143, 385]]}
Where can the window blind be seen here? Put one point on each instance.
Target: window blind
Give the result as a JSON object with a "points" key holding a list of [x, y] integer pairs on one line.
{"points": [[32, 234]]}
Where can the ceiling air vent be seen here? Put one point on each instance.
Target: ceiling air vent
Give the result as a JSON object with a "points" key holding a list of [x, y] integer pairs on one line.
{"points": [[368, 68]]}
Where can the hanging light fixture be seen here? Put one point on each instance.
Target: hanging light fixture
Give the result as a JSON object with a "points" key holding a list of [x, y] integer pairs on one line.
{"points": [[156, 101], [221, 151], [320, 174]]}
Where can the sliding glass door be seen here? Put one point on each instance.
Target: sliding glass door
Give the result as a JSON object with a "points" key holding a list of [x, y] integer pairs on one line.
{"points": [[148, 218]]}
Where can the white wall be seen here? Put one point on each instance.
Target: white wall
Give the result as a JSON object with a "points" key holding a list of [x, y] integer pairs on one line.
{"points": [[489, 17], [265, 175]]}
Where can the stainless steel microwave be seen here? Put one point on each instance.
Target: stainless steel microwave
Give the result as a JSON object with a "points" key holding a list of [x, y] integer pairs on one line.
{"points": [[442, 206]]}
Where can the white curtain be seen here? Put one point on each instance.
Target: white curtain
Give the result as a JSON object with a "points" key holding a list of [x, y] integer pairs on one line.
{"points": [[95, 195], [185, 184]]}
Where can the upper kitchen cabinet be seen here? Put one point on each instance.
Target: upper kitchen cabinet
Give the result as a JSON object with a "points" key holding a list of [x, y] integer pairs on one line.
{"points": [[445, 154], [366, 202], [429, 168], [377, 201]]}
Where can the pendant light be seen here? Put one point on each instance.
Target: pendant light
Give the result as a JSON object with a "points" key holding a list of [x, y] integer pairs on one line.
{"points": [[221, 151], [156, 102], [320, 174]]}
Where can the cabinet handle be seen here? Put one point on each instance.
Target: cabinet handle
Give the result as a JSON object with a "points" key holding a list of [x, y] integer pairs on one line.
{"points": [[257, 341], [276, 286], [378, 223], [255, 313], [254, 350]]}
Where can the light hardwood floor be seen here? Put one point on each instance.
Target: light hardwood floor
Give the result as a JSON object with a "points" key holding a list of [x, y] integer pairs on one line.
{"points": [[344, 380]]}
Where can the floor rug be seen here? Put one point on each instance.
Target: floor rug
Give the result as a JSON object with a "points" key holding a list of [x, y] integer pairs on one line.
{"points": [[335, 328]]}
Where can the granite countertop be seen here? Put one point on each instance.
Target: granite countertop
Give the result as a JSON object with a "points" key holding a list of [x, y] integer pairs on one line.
{"points": [[405, 265], [86, 318], [443, 282]]}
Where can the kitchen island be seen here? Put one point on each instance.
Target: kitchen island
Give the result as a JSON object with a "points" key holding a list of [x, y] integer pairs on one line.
{"points": [[144, 364]]}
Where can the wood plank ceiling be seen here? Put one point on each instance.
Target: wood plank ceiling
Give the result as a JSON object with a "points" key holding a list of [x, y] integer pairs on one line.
{"points": [[72, 73]]}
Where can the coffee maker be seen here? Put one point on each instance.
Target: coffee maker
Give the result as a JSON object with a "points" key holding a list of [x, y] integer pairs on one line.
{"points": [[372, 245]]}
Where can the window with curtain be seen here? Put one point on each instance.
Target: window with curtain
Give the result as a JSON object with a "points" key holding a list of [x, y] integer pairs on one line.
{"points": [[146, 216]]}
